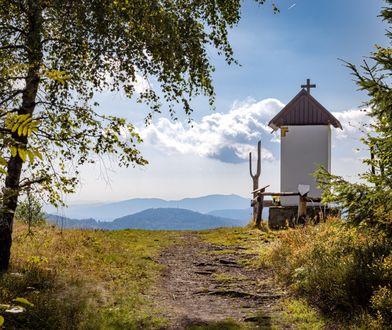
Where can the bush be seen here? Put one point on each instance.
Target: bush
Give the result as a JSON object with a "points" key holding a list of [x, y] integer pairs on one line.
{"points": [[382, 305], [340, 269]]}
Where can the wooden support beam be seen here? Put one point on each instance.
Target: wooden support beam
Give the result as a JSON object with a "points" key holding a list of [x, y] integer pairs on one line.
{"points": [[302, 206], [269, 203], [259, 214], [260, 189], [302, 209], [313, 199], [280, 193]]}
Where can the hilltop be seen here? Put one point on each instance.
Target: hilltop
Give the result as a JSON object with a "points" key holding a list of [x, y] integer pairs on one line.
{"points": [[136, 279]]}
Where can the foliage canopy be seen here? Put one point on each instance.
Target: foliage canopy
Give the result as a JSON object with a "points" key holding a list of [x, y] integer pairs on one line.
{"points": [[56, 55]]}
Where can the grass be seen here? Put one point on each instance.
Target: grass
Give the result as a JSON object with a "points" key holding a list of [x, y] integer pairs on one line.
{"points": [[251, 240], [299, 314], [83, 279]]}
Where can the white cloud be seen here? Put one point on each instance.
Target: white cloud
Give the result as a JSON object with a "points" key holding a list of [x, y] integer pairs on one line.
{"points": [[228, 137], [355, 123]]}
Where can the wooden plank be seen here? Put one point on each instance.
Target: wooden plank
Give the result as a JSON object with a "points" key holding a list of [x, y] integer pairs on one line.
{"points": [[280, 194], [313, 199], [260, 189]]}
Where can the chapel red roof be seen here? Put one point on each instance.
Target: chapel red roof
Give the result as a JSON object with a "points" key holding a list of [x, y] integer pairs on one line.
{"points": [[303, 109]]}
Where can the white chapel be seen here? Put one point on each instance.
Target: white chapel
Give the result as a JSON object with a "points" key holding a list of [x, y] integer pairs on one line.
{"points": [[305, 130]]}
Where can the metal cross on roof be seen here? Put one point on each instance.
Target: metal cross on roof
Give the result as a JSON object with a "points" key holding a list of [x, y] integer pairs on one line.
{"points": [[308, 86]]}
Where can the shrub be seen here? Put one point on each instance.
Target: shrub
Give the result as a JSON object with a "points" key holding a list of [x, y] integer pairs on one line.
{"points": [[340, 269], [30, 211], [381, 303]]}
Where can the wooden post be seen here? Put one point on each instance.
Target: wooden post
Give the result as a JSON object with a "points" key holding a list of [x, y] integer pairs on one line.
{"points": [[302, 209], [255, 178], [259, 209]]}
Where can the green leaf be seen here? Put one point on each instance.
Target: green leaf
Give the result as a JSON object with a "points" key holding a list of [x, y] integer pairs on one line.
{"points": [[38, 154], [30, 154], [1, 321], [25, 130], [23, 301], [14, 128], [14, 151], [20, 130], [22, 154]]}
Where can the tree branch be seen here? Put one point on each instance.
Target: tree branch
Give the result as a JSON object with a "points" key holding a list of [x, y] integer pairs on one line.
{"points": [[12, 47], [31, 182], [19, 91]]}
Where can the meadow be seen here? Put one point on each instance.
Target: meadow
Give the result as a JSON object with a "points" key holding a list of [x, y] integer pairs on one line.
{"points": [[328, 276]]}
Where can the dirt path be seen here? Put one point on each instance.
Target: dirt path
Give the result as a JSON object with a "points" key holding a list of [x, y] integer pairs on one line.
{"points": [[203, 284]]}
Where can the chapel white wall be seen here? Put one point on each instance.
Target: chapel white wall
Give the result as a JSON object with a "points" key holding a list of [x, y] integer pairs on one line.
{"points": [[303, 149]]}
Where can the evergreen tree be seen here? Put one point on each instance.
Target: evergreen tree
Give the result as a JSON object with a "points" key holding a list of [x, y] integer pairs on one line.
{"points": [[369, 204]]}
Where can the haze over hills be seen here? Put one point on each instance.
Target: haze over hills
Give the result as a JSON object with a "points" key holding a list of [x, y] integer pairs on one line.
{"points": [[152, 219], [111, 211]]}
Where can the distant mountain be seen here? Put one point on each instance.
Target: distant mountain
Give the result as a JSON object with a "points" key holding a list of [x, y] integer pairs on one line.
{"points": [[242, 214], [152, 219], [110, 211], [65, 222], [172, 218]]}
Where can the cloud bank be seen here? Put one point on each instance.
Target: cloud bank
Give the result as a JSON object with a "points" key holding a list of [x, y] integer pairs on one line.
{"points": [[229, 137]]}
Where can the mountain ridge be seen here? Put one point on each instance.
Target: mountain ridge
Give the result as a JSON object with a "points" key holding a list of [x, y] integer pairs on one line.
{"points": [[113, 210], [152, 219]]}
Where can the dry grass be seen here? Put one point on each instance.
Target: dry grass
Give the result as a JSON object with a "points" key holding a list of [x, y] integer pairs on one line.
{"points": [[249, 239], [83, 279]]}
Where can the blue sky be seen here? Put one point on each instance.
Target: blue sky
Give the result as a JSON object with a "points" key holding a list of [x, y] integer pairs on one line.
{"points": [[277, 53]]}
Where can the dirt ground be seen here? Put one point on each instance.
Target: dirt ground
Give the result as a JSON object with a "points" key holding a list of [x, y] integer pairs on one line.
{"points": [[204, 285]]}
